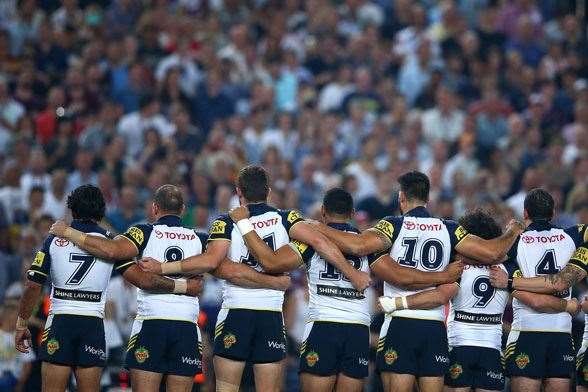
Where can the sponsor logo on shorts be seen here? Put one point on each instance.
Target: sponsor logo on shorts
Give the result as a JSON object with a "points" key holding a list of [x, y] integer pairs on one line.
{"points": [[522, 360], [52, 346], [494, 375], [455, 371], [95, 351], [276, 345], [141, 354], [390, 356], [312, 358], [229, 340], [568, 358], [191, 361], [363, 361], [585, 372], [441, 358]]}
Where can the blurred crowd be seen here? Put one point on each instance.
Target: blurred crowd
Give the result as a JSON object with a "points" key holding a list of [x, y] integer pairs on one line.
{"points": [[489, 98]]}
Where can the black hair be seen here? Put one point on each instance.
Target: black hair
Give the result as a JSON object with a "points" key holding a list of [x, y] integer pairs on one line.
{"points": [[146, 100], [539, 204], [169, 198], [86, 202], [254, 183], [338, 201], [482, 224], [415, 185]]}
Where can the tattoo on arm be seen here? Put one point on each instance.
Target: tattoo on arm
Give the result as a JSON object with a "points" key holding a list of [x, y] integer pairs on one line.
{"points": [[568, 277], [161, 284], [384, 239]]}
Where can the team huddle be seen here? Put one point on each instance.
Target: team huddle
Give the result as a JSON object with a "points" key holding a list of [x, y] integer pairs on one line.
{"points": [[425, 262]]}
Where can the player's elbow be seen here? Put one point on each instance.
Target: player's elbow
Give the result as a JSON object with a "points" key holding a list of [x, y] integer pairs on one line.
{"points": [[32, 286]]}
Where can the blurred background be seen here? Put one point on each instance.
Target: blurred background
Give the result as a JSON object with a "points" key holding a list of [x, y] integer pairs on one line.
{"points": [[489, 98]]}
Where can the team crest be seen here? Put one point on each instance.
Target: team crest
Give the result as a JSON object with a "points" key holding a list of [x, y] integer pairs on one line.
{"points": [[455, 371], [312, 358], [585, 372], [141, 354], [390, 356], [522, 360], [229, 340], [52, 346]]}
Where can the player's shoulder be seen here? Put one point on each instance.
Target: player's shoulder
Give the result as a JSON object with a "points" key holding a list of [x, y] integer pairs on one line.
{"points": [[221, 227], [90, 227], [289, 215], [578, 233]]}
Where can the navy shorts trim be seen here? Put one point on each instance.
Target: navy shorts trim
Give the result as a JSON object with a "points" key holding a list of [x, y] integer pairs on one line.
{"points": [[413, 346], [166, 347], [475, 367], [73, 340], [330, 348], [256, 336], [540, 355]]}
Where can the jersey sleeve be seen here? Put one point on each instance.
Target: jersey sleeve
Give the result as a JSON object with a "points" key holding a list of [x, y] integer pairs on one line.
{"points": [[306, 252], [290, 218], [389, 226], [456, 232], [579, 234], [580, 257], [221, 229], [138, 235], [122, 266], [203, 237], [41, 266], [512, 269], [372, 258]]}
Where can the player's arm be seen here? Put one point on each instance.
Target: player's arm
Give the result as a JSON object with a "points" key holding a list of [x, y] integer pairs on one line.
{"points": [[370, 241], [385, 268], [491, 251], [281, 260], [245, 276], [119, 248], [547, 303], [36, 276], [153, 283], [429, 299], [575, 271]]}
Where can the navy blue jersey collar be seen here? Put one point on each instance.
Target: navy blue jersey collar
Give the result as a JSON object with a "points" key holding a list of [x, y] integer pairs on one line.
{"points": [[86, 226], [169, 220], [259, 208], [340, 226], [419, 212], [540, 225]]}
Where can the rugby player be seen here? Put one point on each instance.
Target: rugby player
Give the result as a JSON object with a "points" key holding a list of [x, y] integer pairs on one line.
{"points": [[540, 348], [335, 351], [165, 338], [475, 320], [416, 347], [250, 324], [73, 339]]}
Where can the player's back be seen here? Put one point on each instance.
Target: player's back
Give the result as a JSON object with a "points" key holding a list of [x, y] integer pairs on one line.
{"points": [[331, 296], [79, 279], [475, 318], [542, 249], [166, 240], [273, 226], [423, 242]]}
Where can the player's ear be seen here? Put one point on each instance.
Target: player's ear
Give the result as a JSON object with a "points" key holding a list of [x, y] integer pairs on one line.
{"points": [[525, 214], [269, 193], [183, 210], [154, 209]]}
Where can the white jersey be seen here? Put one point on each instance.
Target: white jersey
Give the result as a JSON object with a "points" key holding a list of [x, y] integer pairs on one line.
{"points": [[273, 226], [79, 279], [166, 240], [475, 317], [423, 242], [543, 250], [331, 296]]}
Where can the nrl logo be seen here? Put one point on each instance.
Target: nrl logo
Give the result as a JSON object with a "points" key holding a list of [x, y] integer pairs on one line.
{"points": [[455, 371], [522, 360], [390, 356], [141, 354], [229, 340], [52, 346], [312, 358]]}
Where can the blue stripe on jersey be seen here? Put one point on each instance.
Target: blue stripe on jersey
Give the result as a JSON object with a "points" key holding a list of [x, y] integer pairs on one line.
{"points": [[88, 226], [169, 220]]}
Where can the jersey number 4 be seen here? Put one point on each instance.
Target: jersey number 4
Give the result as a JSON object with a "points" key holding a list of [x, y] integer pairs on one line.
{"points": [[249, 259], [547, 265], [85, 263]]}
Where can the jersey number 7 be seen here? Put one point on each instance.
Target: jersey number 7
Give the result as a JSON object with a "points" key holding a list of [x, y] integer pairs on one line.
{"points": [[85, 263]]}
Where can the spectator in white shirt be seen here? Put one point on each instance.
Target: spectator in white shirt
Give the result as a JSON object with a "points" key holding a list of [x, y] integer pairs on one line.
{"points": [[11, 112], [445, 121], [36, 175], [55, 197]]}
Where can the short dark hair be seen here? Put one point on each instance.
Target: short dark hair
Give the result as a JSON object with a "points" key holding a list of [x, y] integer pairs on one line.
{"points": [[86, 202], [253, 182], [482, 224], [338, 201], [415, 185], [539, 204], [169, 198]]}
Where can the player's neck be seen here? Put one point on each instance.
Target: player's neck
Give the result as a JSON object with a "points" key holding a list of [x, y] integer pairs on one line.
{"points": [[411, 206], [165, 213], [335, 219]]}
